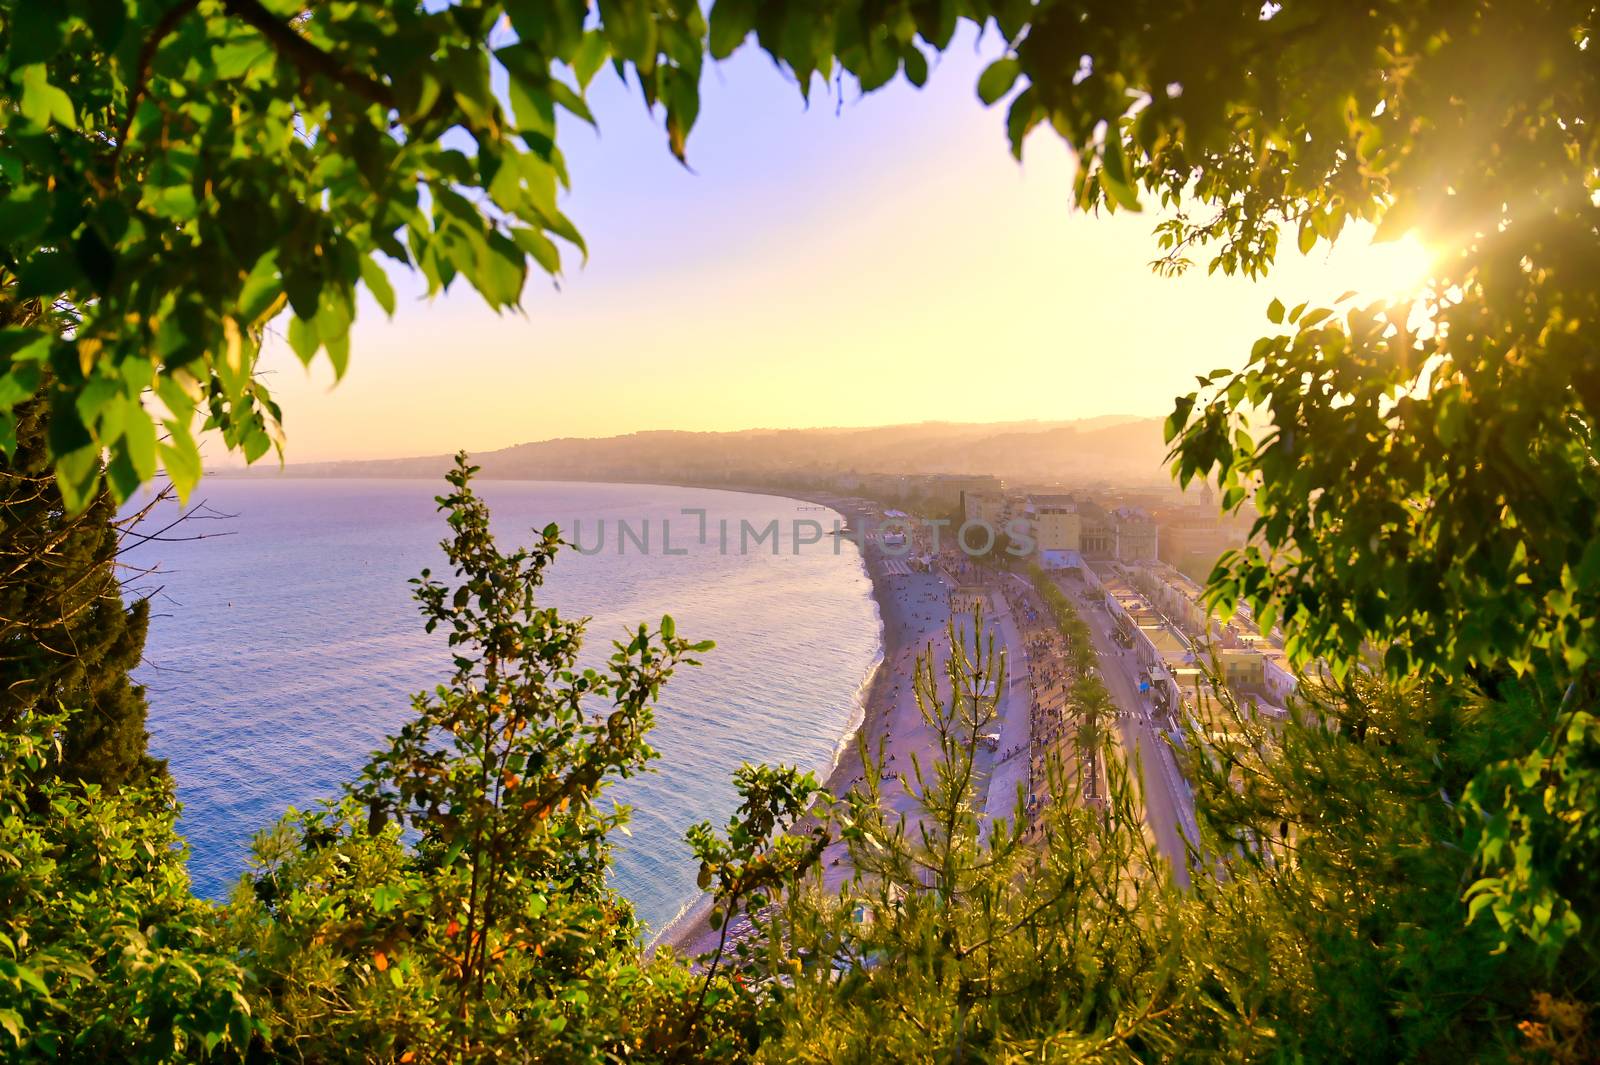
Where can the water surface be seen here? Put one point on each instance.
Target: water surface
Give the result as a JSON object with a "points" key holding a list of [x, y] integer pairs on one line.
{"points": [[282, 653]]}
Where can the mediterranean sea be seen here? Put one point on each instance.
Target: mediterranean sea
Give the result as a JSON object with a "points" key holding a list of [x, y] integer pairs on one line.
{"points": [[284, 645]]}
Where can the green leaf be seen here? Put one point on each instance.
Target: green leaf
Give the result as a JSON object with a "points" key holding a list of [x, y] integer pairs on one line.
{"points": [[997, 79], [503, 271], [1308, 236], [731, 23], [120, 474], [386, 897], [338, 349], [77, 473], [139, 438], [543, 250], [262, 287], [915, 65], [24, 212], [533, 108], [107, 20], [256, 443], [238, 58], [181, 459], [1114, 174], [1022, 117], [681, 94], [97, 261], [176, 202], [24, 974], [589, 58], [630, 27], [1275, 312], [49, 273], [568, 98], [43, 103], [378, 283], [304, 339], [37, 32]]}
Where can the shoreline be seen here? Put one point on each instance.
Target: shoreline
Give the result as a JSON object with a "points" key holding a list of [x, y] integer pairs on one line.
{"points": [[871, 710], [874, 709], [689, 930]]}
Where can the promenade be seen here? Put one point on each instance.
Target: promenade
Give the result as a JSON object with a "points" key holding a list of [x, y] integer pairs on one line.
{"points": [[1166, 795], [1035, 717]]}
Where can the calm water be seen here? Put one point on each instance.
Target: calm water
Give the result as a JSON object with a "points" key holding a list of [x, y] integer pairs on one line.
{"points": [[282, 653]]}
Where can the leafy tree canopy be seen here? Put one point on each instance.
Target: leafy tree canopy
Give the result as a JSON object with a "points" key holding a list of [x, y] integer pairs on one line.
{"points": [[182, 172]]}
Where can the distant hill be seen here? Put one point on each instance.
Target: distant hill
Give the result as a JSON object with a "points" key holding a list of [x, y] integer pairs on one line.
{"points": [[1119, 449]]}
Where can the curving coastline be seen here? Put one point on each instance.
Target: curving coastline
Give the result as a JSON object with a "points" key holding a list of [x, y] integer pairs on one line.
{"points": [[882, 698]]}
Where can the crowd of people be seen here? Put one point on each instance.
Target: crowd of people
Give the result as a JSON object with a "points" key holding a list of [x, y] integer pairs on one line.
{"points": [[1052, 724]]}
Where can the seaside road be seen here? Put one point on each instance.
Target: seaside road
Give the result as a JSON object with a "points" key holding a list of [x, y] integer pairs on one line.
{"points": [[1168, 803], [1011, 762]]}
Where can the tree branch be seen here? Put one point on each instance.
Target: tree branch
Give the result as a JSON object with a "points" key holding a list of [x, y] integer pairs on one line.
{"points": [[147, 55], [307, 57]]}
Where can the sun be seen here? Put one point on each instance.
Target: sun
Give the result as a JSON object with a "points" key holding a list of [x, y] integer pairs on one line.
{"points": [[1390, 270], [1395, 269]]}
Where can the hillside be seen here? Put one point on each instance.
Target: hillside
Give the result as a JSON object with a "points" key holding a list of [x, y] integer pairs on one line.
{"points": [[1124, 450]]}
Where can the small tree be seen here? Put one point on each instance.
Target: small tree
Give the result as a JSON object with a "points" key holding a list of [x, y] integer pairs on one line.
{"points": [[494, 933], [757, 862], [969, 933]]}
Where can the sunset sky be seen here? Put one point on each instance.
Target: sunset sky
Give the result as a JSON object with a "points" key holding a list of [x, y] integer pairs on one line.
{"points": [[888, 263]]}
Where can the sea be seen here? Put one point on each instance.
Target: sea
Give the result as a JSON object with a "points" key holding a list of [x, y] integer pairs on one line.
{"points": [[285, 644]]}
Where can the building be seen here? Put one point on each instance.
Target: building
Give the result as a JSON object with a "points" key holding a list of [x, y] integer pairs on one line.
{"points": [[1098, 536], [1135, 535], [985, 508], [1177, 597], [949, 489], [884, 486], [1057, 530], [1194, 536], [1243, 669]]}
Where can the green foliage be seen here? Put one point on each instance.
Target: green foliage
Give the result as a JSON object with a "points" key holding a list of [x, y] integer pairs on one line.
{"points": [[1541, 838], [961, 934], [1425, 471], [180, 172], [756, 858], [1091, 701], [455, 904], [1330, 930], [1344, 850], [104, 954], [175, 175], [66, 636], [757, 862]]}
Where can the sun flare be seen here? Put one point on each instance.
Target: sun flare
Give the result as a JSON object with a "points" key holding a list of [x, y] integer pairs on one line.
{"points": [[1383, 270]]}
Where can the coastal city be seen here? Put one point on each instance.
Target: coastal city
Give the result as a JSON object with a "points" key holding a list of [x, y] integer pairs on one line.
{"points": [[1105, 633]]}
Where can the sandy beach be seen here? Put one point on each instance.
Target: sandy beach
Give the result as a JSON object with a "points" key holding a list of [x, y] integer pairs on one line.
{"points": [[915, 610]]}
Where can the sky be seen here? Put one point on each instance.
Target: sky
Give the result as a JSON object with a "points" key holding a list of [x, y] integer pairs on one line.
{"points": [[880, 262]]}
